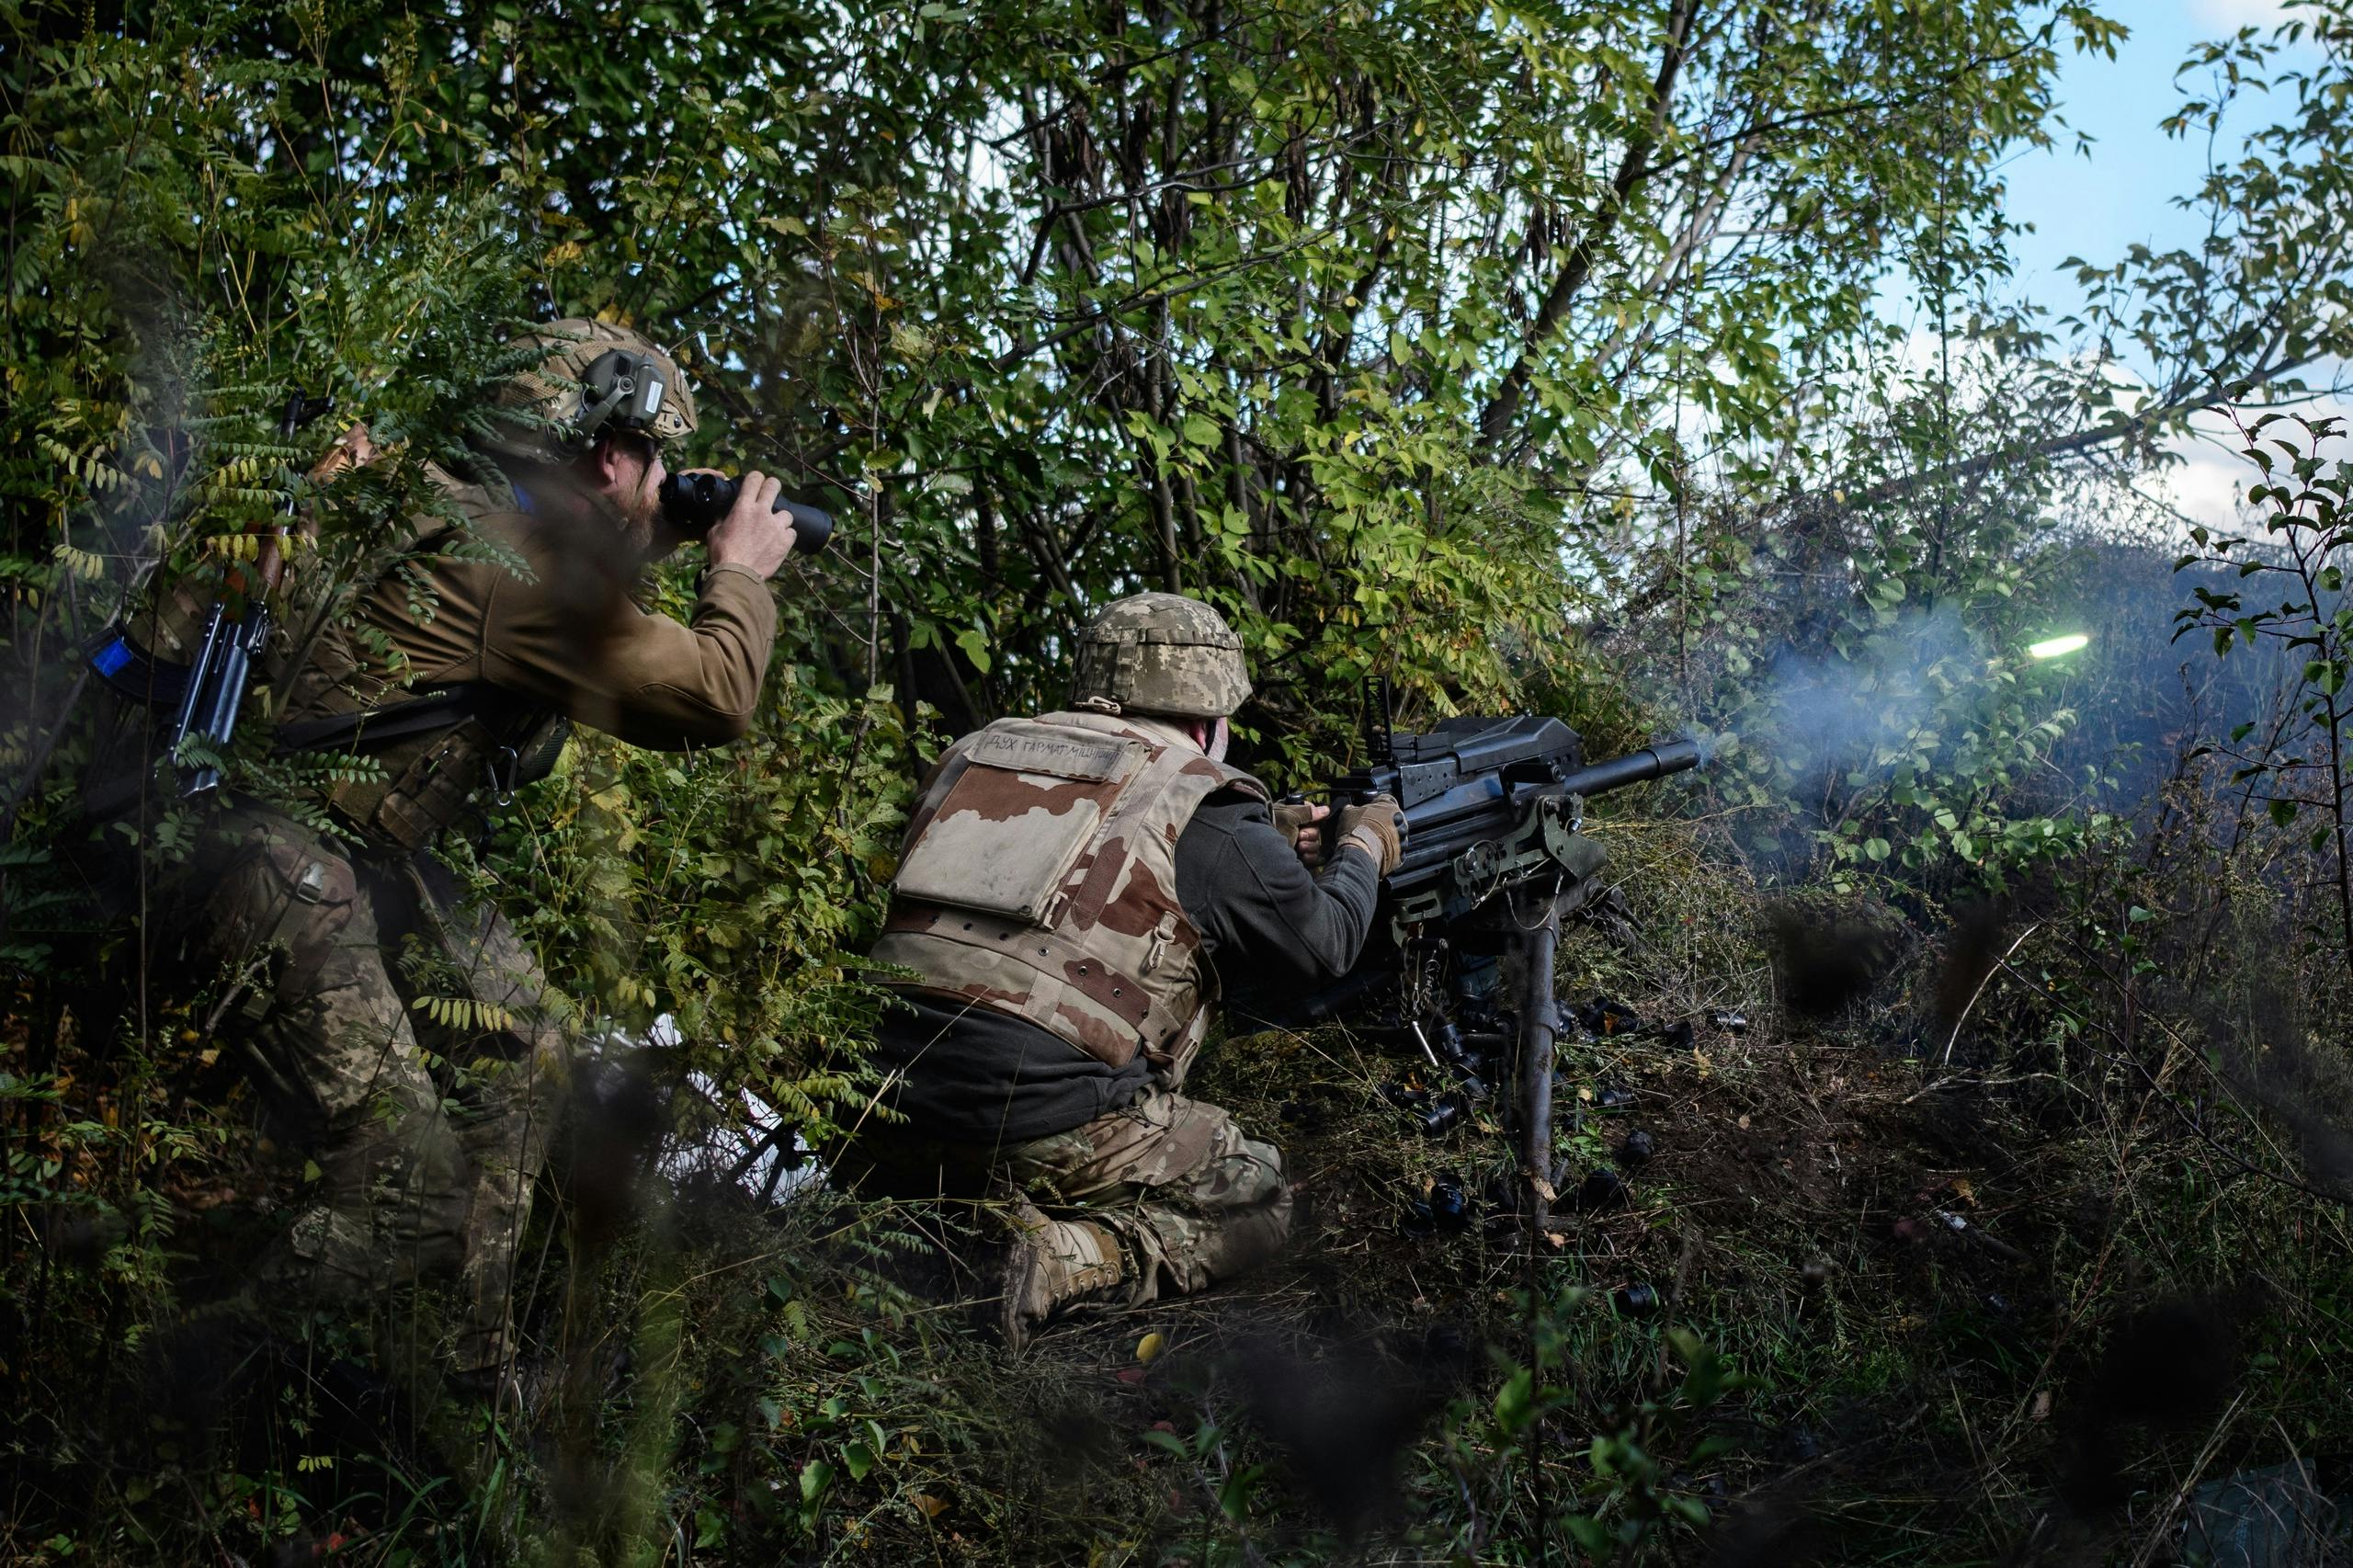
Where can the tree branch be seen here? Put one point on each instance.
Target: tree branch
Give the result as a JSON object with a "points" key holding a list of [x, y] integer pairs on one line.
{"points": [[1495, 418]]}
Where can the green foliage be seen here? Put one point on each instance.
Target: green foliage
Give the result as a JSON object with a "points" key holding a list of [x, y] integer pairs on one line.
{"points": [[1355, 321], [1636, 1473], [726, 892], [1536, 358], [2292, 757]]}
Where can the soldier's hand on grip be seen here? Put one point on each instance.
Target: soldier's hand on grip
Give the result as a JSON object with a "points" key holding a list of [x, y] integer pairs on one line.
{"points": [[754, 535], [1377, 827], [1296, 821]]}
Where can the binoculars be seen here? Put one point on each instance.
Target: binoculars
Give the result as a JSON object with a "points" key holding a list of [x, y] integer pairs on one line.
{"points": [[693, 504]]}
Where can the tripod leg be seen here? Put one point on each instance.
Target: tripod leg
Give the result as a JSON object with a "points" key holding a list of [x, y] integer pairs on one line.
{"points": [[1538, 1022]]}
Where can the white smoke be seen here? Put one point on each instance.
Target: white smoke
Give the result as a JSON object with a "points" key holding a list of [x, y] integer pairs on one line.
{"points": [[1862, 708]]}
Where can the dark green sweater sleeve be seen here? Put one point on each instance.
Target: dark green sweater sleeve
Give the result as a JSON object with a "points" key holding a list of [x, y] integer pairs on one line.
{"points": [[1266, 921]]}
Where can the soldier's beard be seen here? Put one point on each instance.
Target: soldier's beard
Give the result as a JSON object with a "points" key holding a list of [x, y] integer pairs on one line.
{"points": [[635, 491], [642, 520], [642, 525]]}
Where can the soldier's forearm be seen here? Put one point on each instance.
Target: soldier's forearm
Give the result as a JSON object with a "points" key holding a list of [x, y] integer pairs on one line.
{"points": [[1282, 918]]}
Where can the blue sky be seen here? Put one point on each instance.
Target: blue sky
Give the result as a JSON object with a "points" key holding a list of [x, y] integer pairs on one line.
{"points": [[2095, 206]]}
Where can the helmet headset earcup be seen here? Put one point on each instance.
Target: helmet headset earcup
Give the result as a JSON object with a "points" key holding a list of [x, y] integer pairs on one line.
{"points": [[585, 378], [624, 389]]}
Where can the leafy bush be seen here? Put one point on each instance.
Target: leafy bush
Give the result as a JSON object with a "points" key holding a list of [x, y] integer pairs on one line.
{"points": [[1531, 360]]}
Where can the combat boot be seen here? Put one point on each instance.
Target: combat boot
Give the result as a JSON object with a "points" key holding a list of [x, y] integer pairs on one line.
{"points": [[1052, 1266]]}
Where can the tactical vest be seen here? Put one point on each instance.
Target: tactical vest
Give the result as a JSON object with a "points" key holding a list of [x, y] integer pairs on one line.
{"points": [[1039, 881], [437, 748]]}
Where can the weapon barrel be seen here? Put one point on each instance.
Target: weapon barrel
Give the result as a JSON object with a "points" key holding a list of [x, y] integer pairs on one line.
{"points": [[1651, 762], [246, 638]]}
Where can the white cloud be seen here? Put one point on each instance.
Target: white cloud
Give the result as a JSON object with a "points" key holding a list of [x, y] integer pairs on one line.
{"points": [[2209, 486], [2236, 14], [2209, 483]]}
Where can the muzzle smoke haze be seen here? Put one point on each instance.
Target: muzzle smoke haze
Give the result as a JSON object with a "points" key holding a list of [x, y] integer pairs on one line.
{"points": [[1859, 710], [2137, 699]]}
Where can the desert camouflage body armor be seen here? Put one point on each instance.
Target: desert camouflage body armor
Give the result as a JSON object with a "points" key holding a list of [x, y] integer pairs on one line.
{"points": [[1039, 880]]}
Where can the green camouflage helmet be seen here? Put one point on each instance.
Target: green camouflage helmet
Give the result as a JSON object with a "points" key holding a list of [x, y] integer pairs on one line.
{"points": [[598, 377], [1160, 654]]}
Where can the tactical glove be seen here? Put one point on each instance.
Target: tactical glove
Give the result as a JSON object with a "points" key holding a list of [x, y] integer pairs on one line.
{"points": [[1377, 827], [1292, 815]]}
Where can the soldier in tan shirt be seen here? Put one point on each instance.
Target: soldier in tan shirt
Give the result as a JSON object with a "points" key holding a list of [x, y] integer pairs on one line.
{"points": [[457, 678]]}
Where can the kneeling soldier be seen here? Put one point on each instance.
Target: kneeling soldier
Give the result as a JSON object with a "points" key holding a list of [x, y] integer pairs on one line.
{"points": [[459, 676], [1071, 890]]}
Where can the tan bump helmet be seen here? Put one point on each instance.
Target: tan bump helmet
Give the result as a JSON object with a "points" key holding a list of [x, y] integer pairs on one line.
{"points": [[596, 377]]}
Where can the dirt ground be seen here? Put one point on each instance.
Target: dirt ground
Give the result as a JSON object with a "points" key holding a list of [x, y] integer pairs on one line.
{"points": [[1905, 1260]]}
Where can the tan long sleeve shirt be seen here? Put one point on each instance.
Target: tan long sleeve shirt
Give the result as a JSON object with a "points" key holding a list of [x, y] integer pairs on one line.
{"points": [[533, 612], [564, 630]]}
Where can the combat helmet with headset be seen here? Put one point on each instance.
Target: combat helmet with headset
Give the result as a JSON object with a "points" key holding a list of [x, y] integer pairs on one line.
{"points": [[573, 381], [582, 380]]}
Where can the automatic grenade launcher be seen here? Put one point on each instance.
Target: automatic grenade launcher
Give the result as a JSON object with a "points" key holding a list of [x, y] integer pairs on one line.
{"points": [[1495, 856]]}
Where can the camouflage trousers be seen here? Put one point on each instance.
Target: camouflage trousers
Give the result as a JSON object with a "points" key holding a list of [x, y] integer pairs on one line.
{"points": [[402, 1041], [1191, 1199]]}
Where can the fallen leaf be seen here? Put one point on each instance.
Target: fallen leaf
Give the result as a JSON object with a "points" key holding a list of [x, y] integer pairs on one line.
{"points": [[2042, 1404], [1543, 1188], [1743, 1124], [1699, 1059], [932, 1506], [1962, 1190], [1149, 1347], [1131, 1374]]}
